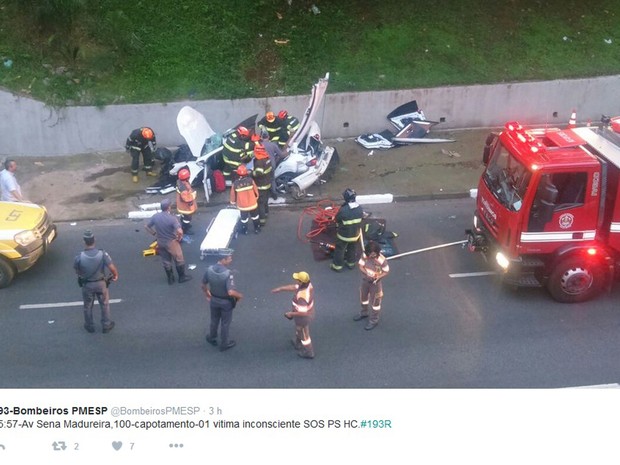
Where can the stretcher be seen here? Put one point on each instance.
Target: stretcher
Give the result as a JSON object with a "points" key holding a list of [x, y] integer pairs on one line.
{"points": [[220, 232]]}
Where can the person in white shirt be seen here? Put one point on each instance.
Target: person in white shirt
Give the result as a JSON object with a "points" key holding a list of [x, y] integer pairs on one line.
{"points": [[9, 187]]}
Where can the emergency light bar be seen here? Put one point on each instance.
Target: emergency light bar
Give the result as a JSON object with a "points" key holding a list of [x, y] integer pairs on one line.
{"points": [[529, 142]]}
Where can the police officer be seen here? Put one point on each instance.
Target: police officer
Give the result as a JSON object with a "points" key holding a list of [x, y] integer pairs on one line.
{"points": [[218, 285], [91, 265], [236, 152], [374, 267], [165, 226], [141, 141], [186, 200], [302, 312], [263, 176], [348, 231]]}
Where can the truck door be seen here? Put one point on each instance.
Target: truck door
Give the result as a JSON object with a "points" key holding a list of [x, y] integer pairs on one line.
{"points": [[560, 212]]}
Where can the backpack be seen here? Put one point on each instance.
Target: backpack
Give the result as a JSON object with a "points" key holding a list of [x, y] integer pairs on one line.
{"points": [[219, 183]]}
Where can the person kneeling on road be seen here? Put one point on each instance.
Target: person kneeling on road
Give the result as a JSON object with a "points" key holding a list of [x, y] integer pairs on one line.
{"points": [[166, 228]]}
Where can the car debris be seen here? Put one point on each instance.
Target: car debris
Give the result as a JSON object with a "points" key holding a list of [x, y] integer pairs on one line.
{"points": [[412, 128]]}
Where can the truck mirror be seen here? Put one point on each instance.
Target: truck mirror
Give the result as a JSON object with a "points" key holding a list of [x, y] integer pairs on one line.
{"points": [[488, 147]]}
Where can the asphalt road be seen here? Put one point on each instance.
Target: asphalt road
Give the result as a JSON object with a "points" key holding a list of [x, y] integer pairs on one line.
{"points": [[436, 331]]}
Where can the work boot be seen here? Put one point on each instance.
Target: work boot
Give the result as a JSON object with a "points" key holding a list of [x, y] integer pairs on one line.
{"points": [[244, 230], [90, 329], [359, 317], [170, 275], [109, 328], [370, 326], [211, 341], [230, 345], [182, 276], [134, 178], [151, 173], [336, 268], [257, 229]]}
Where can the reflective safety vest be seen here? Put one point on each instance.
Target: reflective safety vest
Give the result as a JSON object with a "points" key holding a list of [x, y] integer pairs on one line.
{"points": [[373, 267], [274, 128], [244, 193], [263, 170], [186, 198], [236, 151], [349, 222], [303, 301]]}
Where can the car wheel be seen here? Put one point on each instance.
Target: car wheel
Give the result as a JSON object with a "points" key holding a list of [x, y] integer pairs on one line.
{"points": [[7, 273], [283, 182]]}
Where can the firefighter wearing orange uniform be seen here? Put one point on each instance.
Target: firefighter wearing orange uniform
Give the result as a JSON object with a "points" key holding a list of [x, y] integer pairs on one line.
{"points": [[244, 194], [186, 200], [263, 175], [302, 312], [374, 267]]}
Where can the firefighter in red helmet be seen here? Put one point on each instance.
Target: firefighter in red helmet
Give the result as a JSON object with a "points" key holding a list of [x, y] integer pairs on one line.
{"points": [[186, 200], [238, 149], [141, 141], [244, 194]]}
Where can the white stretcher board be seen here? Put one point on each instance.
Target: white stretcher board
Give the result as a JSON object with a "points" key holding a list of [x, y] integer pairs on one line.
{"points": [[220, 233]]}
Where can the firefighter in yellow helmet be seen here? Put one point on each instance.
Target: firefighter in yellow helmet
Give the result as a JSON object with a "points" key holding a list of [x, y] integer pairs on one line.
{"points": [[141, 141], [186, 200], [302, 312]]}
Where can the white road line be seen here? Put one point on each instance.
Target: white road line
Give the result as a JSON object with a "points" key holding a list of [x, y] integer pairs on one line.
{"points": [[468, 275], [61, 304], [596, 386]]}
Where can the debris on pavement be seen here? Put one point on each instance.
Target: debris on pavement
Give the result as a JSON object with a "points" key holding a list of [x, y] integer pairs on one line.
{"points": [[412, 127]]}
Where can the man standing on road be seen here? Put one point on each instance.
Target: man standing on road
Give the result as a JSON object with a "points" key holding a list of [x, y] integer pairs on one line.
{"points": [[9, 187], [348, 231], [374, 267], [302, 312], [90, 266], [165, 226], [276, 155], [218, 284], [244, 195], [263, 176]]}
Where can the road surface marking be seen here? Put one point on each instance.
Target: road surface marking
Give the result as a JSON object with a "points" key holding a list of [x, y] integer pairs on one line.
{"points": [[61, 304], [596, 386], [468, 275]]}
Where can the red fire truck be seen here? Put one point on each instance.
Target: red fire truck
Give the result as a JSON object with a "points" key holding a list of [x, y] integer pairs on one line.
{"points": [[548, 208]]}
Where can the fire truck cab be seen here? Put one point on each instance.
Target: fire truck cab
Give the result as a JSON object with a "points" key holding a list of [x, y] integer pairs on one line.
{"points": [[548, 208]]}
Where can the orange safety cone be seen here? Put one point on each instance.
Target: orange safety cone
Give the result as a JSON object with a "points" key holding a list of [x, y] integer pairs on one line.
{"points": [[572, 122]]}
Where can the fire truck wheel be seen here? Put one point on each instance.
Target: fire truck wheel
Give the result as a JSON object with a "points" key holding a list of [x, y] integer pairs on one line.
{"points": [[574, 280]]}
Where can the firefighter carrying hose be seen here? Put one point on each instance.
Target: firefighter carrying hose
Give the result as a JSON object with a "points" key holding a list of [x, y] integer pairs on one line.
{"points": [[244, 194], [141, 141], [186, 200], [348, 230], [237, 151]]}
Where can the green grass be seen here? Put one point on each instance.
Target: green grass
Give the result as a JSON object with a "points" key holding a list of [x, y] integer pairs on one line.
{"points": [[146, 51]]}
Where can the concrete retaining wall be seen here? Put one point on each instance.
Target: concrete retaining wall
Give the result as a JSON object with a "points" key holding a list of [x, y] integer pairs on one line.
{"points": [[29, 128]]}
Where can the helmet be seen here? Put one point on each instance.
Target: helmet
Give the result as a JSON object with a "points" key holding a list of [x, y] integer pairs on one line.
{"points": [[349, 195], [242, 170], [183, 174], [255, 138], [243, 132], [270, 116], [283, 114], [147, 133]]}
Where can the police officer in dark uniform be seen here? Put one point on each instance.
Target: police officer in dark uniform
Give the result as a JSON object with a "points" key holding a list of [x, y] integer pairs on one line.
{"points": [[91, 265], [348, 231], [218, 284]]}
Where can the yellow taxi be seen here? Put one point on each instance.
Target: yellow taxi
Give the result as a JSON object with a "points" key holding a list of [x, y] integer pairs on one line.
{"points": [[26, 231]]}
